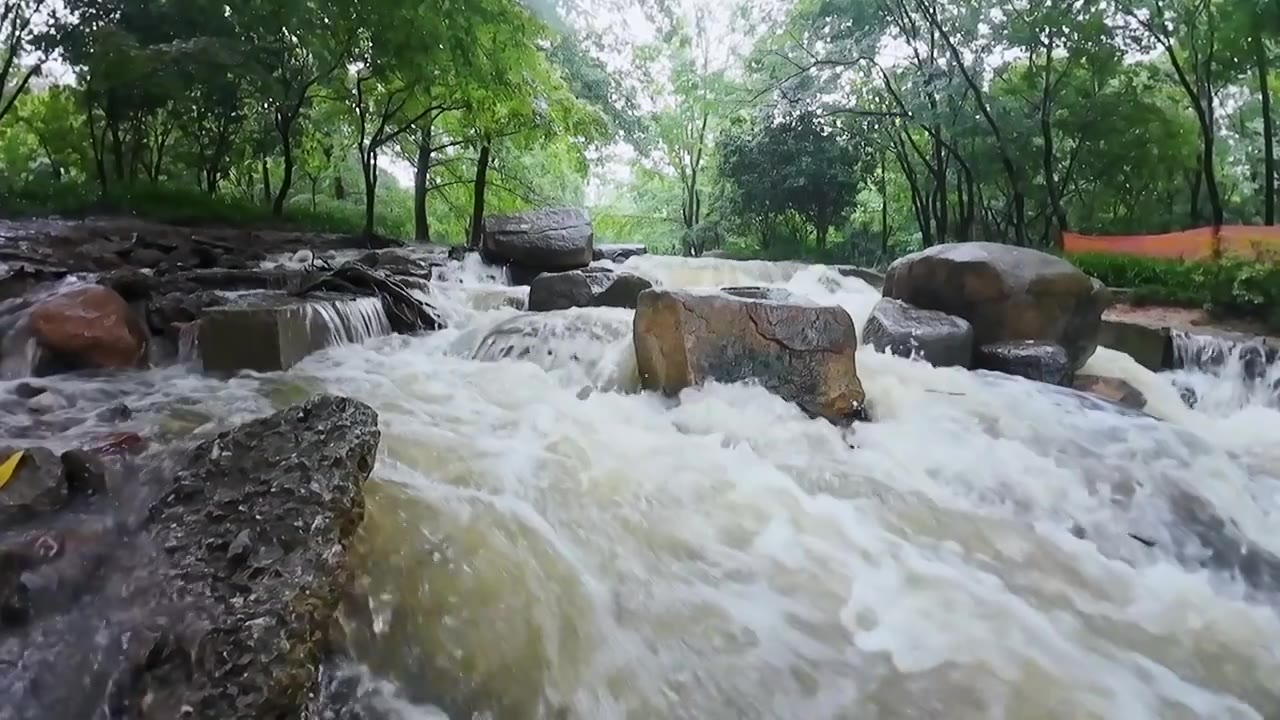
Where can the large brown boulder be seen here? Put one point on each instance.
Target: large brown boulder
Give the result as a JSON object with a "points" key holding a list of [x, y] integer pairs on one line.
{"points": [[89, 327], [549, 240], [1006, 293], [561, 291], [800, 351]]}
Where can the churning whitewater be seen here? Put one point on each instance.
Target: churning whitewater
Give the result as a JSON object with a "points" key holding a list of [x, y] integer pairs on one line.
{"points": [[544, 541]]}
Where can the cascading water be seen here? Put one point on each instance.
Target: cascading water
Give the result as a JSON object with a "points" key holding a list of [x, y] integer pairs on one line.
{"points": [[543, 541], [349, 321], [1222, 375]]}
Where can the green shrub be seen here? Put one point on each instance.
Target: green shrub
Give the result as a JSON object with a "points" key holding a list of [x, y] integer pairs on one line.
{"points": [[1228, 286]]}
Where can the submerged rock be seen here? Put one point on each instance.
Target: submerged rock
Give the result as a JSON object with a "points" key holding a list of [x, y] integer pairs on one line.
{"points": [[560, 291], [1116, 390], [89, 327], [255, 534], [549, 239], [1037, 361], [800, 351], [1006, 293], [936, 337], [37, 484], [618, 253]]}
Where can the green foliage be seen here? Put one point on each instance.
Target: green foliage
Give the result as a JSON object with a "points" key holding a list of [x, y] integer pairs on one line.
{"points": [[1227, 286], [789, 165], [190, 206], [245, 110]]}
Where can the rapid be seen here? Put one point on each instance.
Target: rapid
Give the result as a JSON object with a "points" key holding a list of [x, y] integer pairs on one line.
{"points": [[542, 540]]}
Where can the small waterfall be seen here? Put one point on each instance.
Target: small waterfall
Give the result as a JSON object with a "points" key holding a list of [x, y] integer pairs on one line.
{"points": [[1224, 374], [189, 344], [349, 321]]}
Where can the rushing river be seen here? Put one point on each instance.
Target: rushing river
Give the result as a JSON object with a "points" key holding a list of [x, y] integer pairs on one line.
{"points": [[543, 541]]}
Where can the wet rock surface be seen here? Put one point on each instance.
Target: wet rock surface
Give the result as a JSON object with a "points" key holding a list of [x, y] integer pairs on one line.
{"points": [[935, 337], [89, 326], [1151, 347], [1037, 361], [61, 247], [1115, 390], [37, 484], [547, 240], [800, 351], [618, 253], [1006, 293], [561, 291], [215, 598]]}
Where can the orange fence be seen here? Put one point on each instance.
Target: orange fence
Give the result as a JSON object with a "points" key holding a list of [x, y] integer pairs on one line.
{"points": [[1237, 241]]}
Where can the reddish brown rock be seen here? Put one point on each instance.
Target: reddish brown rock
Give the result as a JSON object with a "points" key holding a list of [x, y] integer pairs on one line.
{"points": [[89, 327]]}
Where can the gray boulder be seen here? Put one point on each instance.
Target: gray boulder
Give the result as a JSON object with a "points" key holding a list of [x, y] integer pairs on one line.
{"points": [[1006, 293], [560, 291], [255, 532], [217, 599], [1037, 361], [935, 337], [549, 240], [37, 484]]}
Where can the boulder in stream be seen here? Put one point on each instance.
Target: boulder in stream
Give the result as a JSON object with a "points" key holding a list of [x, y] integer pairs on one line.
{"points": [[1042, 362], [1006, 293], [801, 351], [583, 288], [89, 327], [935, 337], [255, 533], [549, 239]]}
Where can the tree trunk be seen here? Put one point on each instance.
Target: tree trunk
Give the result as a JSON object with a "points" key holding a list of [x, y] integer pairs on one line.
{"points": [[95, 144], [884, 208], [266, 181], [477, 210], [117, 149], [285, 128], [1268, 132], [421, 225], [339, 190], [1046, 134], [1006, 159], [1196, 182], [369, 168]]}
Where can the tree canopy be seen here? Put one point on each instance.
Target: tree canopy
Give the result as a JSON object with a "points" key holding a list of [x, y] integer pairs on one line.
{"points": [[302, 104], [837, 128]]}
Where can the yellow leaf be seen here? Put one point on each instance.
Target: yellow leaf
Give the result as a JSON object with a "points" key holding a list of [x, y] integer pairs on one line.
{"points": [[6, 470]]}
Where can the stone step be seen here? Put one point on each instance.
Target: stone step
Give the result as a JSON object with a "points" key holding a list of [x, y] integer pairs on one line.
{"points": [[273, 332]]}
